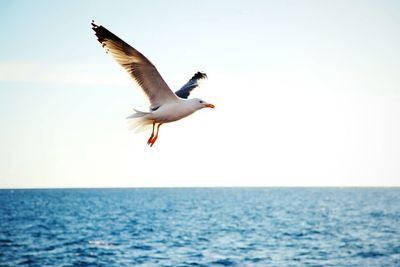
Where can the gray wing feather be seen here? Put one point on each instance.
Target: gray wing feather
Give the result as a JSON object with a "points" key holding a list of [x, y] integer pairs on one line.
{"points": [[185, 91], [137, 65]]}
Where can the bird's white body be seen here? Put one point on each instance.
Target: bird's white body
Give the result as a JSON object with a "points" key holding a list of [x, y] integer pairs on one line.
{"points": [[168, 112], [174, 111]]}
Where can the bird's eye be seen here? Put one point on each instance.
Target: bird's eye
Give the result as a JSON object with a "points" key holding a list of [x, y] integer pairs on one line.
{"points": [[201, 102]]}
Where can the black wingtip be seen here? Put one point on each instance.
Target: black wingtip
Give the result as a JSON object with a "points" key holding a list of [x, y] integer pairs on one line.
{"points": [[94, 25], [200, 75], [100, 32]]}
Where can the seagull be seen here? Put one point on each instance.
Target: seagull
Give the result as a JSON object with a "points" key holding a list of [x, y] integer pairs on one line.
{"points": [[165, 105]]}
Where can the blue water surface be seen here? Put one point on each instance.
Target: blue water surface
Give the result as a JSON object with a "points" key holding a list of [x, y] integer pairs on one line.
{"points": [[200, 227]]}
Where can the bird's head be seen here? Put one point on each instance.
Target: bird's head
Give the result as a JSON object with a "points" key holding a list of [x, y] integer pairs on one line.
{"points": [[199, 103]]}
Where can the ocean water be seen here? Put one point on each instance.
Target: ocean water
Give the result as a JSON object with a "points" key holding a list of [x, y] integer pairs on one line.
{"points": [[200, 227]]}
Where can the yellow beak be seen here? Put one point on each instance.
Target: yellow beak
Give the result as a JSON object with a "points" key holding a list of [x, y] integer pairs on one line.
{"points": [[210, 106]]}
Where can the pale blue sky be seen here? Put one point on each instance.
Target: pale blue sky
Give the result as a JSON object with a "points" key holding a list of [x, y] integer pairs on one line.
{"points": [[307, 93]]}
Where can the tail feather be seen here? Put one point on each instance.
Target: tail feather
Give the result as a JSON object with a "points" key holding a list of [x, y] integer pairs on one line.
{"points": [[137, 114], [139, 121]]}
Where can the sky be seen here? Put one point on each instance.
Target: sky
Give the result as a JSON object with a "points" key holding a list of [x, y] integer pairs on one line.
{"points": [[307, 93]]}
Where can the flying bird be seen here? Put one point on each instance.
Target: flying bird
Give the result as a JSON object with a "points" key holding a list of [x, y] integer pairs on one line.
{"points": [[165, 105]]}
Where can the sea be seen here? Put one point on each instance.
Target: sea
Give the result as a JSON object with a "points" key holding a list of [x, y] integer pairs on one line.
{"points": [[200, 227]]}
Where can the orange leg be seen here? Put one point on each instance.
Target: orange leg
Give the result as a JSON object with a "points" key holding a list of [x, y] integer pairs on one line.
{"points": [[152, 134], [156, 136]]}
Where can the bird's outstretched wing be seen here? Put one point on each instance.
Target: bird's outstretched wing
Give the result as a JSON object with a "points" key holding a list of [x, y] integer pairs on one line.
{"points": [[138, 66], [185, 91]]}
